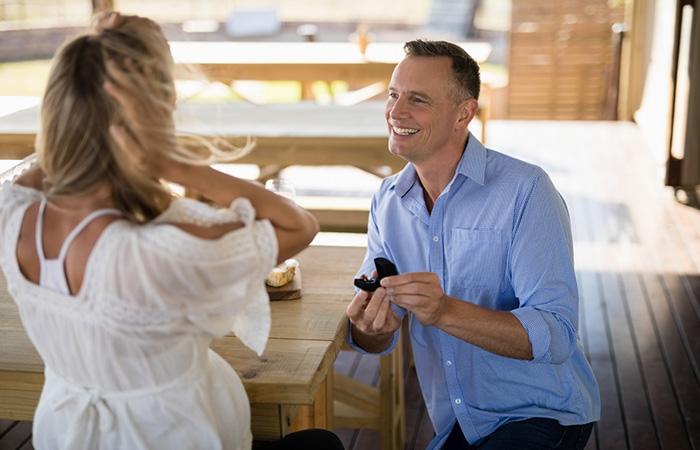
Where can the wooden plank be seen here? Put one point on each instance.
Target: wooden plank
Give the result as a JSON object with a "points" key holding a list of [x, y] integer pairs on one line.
{"points": [[270, 421], [16, 436], [610, 430], [27, 446], [419, 429], [367, 372], [557, 38], [284, 134], [631, 189], [614, 434], [639, 425], [687, 391], [5, 425], [355, 394], [320, 413], [281, 54], [289, 371], [688, 331], [19, 394], [686, 220], [686, 317], [662, 399], [293, 371]]}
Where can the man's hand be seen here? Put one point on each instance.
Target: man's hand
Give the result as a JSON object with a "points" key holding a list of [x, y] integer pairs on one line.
{"points": [[371, 313], [373, 320], [418, 292]]}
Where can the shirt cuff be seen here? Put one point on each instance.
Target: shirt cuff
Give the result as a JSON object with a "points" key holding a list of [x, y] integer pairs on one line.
{"points": [[357, 348], [537, 332]]}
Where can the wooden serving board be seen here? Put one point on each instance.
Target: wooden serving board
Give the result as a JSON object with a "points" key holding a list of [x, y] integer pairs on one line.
{"points": [[289, 291]]}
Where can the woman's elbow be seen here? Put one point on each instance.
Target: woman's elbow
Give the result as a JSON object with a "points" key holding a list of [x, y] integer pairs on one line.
{"points": [[293, 241], [314, 225], [311, 228]]}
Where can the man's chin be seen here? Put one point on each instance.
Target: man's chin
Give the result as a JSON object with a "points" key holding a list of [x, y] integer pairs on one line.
{"points": [[398, 151]]}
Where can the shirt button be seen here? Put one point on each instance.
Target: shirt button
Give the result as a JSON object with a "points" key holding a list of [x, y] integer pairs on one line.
{"points": [[458, 401], [435, 238], [448, 362]]}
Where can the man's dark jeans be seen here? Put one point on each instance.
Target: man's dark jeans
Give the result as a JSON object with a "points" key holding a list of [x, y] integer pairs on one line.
{"points": [[531, 434]]}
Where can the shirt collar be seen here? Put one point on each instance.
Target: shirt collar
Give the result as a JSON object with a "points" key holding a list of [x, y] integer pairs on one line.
{"points": [[473, 162], [472, 165]]}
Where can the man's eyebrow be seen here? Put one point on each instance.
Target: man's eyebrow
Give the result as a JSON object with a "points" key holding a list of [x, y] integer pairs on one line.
{"points": [[414, 93]]}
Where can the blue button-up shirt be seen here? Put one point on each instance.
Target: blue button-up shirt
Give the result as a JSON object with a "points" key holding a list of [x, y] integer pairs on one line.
{"points": [[498, 236]]}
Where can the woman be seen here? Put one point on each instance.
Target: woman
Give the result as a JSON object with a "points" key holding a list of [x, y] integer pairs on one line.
{"points": [[120, 286]]}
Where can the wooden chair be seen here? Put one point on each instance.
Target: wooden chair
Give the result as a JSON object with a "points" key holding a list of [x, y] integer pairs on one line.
{"points": [[358, 405]]}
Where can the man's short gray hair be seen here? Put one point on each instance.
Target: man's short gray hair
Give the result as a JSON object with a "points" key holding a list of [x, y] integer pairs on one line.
{"points": [[464, 68]]}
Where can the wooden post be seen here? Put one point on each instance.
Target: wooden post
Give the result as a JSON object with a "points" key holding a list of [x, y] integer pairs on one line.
{"points": [[618, 35], [635, 56], [102, 5]]}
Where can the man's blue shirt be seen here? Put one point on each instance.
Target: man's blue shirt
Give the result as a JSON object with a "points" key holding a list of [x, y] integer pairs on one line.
{"points": [[498, 236]]}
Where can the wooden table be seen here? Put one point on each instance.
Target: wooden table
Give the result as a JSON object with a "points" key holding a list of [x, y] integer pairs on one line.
{"points": [[300, 61], [290, 134], [289, 386]]}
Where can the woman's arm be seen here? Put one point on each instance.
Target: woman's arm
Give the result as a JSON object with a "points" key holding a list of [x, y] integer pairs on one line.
{"points": [[294, 226]]}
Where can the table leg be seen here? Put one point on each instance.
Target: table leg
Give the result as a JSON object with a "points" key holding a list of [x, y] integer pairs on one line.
{"points": [[318, 415]]}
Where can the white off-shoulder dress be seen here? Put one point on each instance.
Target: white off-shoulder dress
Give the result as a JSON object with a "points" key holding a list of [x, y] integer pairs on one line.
{"points": [[127, 359]]}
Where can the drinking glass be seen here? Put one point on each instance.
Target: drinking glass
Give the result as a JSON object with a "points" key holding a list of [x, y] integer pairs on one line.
{"points": [[281, 187]]}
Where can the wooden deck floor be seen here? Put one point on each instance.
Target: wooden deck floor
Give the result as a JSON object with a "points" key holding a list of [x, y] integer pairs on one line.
{"points": [[638, 265]]}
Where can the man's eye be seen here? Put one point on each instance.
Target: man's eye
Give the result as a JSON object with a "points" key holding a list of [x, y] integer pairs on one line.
{"points": [[393, 95], [418, 100]]}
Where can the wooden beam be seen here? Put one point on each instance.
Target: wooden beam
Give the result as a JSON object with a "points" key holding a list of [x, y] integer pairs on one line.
{"points": [[636, 49], [102, 5]]}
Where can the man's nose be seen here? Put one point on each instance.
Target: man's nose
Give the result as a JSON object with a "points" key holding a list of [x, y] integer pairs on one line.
{"points": [[397, 109]]}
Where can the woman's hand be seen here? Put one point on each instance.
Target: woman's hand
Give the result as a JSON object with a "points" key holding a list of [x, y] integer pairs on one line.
{"points": [[32, 177]]}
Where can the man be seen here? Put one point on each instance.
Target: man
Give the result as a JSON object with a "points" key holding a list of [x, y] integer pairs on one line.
{"points": [[482, 243]]}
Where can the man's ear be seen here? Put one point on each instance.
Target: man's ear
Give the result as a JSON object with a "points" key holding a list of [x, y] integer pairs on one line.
{"points": [[467, 110]]}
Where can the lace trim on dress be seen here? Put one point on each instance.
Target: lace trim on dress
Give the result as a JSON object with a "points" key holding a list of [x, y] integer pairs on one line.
{"points": [[115, 311], [232, 245], [13, 194], [191, 211]]}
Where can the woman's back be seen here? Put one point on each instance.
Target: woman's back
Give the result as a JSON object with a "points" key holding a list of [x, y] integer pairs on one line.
{"points": [[56, 255], [132, 345]]}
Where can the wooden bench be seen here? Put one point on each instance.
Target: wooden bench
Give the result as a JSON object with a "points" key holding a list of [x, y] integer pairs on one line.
{"points": [[304, 62]]}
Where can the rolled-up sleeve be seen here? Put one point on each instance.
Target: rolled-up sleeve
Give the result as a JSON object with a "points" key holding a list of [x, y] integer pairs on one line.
{"points": [[542, 273]]}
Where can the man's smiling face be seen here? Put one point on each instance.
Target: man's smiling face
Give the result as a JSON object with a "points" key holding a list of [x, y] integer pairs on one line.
{"points": [[422, 109]]}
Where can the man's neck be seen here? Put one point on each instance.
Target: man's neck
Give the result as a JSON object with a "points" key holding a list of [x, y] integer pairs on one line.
{"points": [[435, 174]]}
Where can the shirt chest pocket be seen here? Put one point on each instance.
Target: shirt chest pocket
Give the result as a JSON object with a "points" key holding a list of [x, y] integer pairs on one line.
{"points": [[476, 259]]}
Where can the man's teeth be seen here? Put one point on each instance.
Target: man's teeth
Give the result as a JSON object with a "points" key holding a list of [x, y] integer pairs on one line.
{"points": [[405, 131]]}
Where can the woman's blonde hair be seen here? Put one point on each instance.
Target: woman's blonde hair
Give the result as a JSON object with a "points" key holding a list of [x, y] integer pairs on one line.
{"points": [[75, 148]]}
